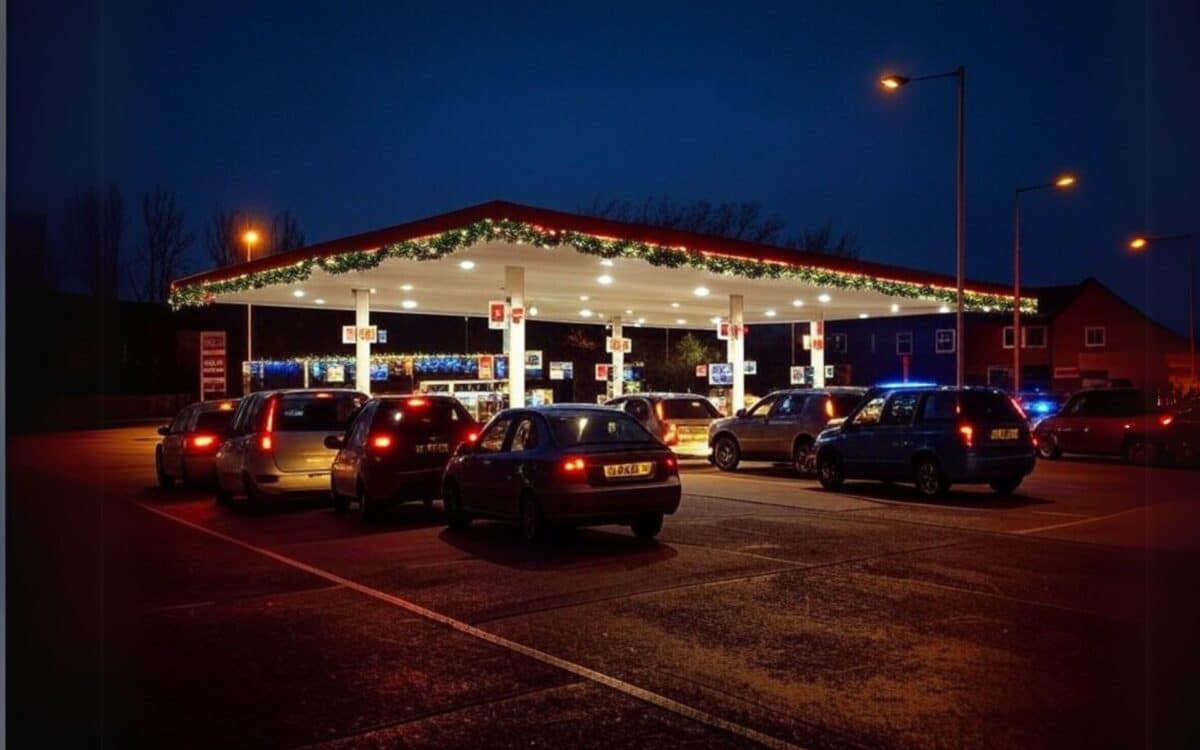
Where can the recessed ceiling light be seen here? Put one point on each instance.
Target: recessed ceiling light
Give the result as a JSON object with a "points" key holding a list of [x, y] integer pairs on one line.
{"points": [[797, 303], [319, 301], [716, 319], [700, 291], [406, 287], [467, 265], [823, 298], [604, 280], [987, 308], [944, 309], [533, 311], [372, 290], [584, 298], [863, 315], [681, 321], [641, 320], [409, 304], [606, 262], [629, 312], [895, 308], [675, 305], [586, 313], [298, 293], [769, 313]]}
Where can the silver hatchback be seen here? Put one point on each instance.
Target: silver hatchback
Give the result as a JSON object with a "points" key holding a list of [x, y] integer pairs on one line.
{"points": [[781, 427], [277, 442]]}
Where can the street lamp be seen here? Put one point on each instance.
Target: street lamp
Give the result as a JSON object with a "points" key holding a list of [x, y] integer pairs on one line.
{"points": [[250, 237], [892, 82], [1062, 182], [1142, 243]]}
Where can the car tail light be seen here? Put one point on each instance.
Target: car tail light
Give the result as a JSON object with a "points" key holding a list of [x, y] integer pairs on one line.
{"points": [[966, 433], [265, 441], [658, 410], [203, 441], [416, 402], [1020, 409], [573, 466], [829, 408], [670, 433], [671, 464], [324, 395], [473, 436], [1166, 420], [380, 442]]}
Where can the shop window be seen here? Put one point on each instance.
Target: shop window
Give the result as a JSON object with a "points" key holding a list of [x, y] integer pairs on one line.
{"points": [[1033, 337], [1095, 337], [1008, 337], [904, 343], [836, 343], [944, 341]]}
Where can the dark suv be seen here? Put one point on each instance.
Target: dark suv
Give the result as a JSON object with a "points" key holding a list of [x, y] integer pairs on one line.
{"points": [[931, 437], [1099, 421]]}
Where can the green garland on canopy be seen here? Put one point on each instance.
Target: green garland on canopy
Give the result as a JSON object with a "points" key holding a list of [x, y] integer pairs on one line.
{"points": [[441, 245]]}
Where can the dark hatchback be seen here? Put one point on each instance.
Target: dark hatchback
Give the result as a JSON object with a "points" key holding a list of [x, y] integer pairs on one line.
{"points": [[932, 437], [395, 450], [571, 465]]}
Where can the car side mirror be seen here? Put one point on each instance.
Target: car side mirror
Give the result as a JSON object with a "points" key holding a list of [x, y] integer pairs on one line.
{"points": [[740, 413], [335, 442], [164, 430]]}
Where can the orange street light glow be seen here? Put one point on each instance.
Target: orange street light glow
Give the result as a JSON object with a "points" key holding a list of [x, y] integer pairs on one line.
{"points": [[893, 81], [250, 237], [1066, 180], [1138, 243]]}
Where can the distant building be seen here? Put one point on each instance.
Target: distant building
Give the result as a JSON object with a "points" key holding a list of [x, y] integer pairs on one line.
{"points": [[1083, 335]]}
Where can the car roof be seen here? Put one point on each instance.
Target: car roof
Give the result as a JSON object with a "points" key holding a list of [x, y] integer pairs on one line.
{"points": [[833, 389], [565, 409], [402, 396], [662, 395], [306, 391], [216, 404]]}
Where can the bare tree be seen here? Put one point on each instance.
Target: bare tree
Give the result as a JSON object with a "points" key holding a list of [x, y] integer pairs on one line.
{"points": [[223, 236], [285, 233], [161, 255], [730, 219], [93, 225]]}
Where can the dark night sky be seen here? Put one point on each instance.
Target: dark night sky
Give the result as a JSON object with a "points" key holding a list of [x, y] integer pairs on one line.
{"points": [[356, 119]]}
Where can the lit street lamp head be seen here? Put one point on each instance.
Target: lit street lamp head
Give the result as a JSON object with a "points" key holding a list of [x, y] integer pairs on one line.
{"points": [[893, 81], [250, 237], [1066, 180], [1137, 243]]}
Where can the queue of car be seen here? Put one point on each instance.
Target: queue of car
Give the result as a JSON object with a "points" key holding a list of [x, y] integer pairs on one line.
{"points": [[579, 465]]}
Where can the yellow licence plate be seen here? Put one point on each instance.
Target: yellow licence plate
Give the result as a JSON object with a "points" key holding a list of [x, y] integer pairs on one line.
{"points": [[1007, 433], [622, 471]]}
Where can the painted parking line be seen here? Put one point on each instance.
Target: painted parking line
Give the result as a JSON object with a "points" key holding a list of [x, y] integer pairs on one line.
{"points": [[1080, 522], [642, 694]]}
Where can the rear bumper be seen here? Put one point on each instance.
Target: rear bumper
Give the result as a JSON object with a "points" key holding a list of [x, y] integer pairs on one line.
{"points": [[977, 468], [409, 483], [589, 504], [692, 449], [200, 467], [289, 483]]}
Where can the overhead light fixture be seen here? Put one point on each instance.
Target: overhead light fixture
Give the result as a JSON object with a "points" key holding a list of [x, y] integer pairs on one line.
{"points": [[406, 287], [533, 311], [372, 290], [586, 313], [944, 309], [629, 312], [716, 320], [319, 301], [797, 303], [298, 293], [863, 316], [466, 265], [606, 262], [680, 321], [409, 304], [675, 305], [641, 321], [584, 298], [604, 280], [823, 298], [769, 313], [700, 291], [895, 308]]}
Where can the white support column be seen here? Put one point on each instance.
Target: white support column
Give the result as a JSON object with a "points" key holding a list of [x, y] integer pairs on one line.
{"points": [[362, 349], [816, 338], [618, 360], [514, 286], [736, 350]]}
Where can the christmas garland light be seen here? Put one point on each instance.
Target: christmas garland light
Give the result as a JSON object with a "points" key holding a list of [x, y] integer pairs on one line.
{"points": [[441, 245]]}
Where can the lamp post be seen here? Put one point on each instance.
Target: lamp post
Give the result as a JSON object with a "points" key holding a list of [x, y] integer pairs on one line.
{"points": [[893, 82], [1064, 181], [1142, 243], [250, 237]]}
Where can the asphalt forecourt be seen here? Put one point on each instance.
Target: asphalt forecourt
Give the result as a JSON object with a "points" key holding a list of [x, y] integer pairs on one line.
{"points": [[768, 613]]}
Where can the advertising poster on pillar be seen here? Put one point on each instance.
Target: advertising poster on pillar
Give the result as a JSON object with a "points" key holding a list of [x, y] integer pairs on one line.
{"points": [[212, 364], [720, 373], [533, 363], [602, 372], [497, 314], [487, 367]]}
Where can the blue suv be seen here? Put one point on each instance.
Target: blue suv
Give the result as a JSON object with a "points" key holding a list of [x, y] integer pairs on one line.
{"points": [[931, 437]]}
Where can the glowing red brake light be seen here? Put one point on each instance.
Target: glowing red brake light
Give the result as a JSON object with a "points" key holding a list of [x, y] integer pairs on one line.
{"points": [[381, 442], [416, 402], [324, 395], [670, 433], [670, 463], [203, 441], [1017, 405], [1166, 420], [265, 442], [966, 433], [473, 436], [573, 465], [829, 408]]}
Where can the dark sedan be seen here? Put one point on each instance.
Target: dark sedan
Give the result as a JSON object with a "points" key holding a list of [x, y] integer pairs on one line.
{"points": [[573, 465]]}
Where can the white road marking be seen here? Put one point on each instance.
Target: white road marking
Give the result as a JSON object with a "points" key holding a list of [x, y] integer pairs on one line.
{"points": [[1080, 522], [642, 694]]}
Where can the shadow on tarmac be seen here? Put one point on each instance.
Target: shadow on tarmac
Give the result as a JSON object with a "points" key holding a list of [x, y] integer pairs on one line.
{"points": [[501, 543]]}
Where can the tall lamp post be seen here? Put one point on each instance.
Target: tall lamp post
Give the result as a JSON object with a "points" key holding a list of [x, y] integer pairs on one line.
{"points": [[250, 237], [1142, 243], [893, 82], [1064, 181]]}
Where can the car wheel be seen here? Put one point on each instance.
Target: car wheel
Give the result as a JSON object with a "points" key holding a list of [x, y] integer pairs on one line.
{"points": [[224, 496], [533, 525], [1141, 453], [1006, 486], [930, 480], [1048, 447], [726, 454], [250, 489], [341, 503], [829, 470], [802, 456], [164, 479], [647, 527], [368, 509], [456, 518]]}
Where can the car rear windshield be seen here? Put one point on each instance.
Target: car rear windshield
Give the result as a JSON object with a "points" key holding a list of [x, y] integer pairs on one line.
{"points": [[688, 408], [844, 403], [597, 428], [314, 413], [422, 415], [213, 421], [982, 407]]}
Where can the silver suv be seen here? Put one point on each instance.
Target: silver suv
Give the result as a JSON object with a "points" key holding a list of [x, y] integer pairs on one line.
{"points": [[781, 427], [680, 420]]}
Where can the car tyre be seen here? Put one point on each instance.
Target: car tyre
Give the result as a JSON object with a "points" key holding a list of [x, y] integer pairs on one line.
{"points": [[1006, 486], [647, 527], [224, 496], [368, 509], [533, 524], [341, 503], [250, 490], [829, 470], [456, 518], [1142, 453], [726, 454], [929, 478], [165, 481], [1048, 448], [802, 456]]}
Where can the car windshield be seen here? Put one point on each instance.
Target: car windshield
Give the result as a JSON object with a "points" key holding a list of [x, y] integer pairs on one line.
{"points": [[316, 413], [213, 421], [597, 428], [688, 408], [422, 415]]}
